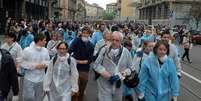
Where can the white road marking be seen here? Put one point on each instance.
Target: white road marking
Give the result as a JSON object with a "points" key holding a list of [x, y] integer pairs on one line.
{"points": [[192, 77]]}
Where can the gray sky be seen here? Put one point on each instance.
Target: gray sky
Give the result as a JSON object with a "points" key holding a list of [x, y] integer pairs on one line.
{"points": [[101, 3]]}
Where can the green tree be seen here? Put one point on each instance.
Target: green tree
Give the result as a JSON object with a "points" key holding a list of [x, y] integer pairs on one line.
{"points": [[195, 12], [108, 16]]}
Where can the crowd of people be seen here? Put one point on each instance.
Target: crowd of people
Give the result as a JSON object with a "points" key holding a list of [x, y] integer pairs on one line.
{"points": [[54, 59]]}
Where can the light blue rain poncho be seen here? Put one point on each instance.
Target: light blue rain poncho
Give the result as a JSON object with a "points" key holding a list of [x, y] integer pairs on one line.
{"points": [[147, 37], [61, 79], [96, 37], [26, 40], [69, 36], [158, 83]]}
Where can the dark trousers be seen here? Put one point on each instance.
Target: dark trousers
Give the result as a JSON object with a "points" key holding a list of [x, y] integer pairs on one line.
{"points": [[186, 54], [83, 79], [2, 98]]}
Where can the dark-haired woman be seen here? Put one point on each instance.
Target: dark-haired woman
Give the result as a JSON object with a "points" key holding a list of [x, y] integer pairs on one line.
{"points": [[61, 80], [158, 77]]}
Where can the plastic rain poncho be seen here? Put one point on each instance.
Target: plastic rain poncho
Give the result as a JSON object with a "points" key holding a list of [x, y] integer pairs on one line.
{"points": [[158, 82], [61, 79], [104, 62]]}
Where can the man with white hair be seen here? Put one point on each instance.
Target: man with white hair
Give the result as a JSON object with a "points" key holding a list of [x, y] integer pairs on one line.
{"points": [[113, 64]]}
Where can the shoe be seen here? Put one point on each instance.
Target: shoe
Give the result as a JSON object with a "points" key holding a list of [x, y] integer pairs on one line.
{"points": [[190, 62], [182, 59], [129, 98]]}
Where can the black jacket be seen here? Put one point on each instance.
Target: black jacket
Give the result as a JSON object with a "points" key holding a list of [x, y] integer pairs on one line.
{"points": [[8, 74], [82, 51]]}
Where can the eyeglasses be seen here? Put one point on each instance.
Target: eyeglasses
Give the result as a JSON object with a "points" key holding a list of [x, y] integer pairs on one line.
{"points": [[62, 48]]}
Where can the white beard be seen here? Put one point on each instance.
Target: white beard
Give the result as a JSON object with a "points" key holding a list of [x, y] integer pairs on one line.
{"points": [[85, 39]]}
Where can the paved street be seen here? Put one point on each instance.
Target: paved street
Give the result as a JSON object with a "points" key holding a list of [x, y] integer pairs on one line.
{"points": [[191, 77]]}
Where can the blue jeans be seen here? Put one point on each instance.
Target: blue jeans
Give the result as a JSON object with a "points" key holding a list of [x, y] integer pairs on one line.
{"points": [[32, 91]]}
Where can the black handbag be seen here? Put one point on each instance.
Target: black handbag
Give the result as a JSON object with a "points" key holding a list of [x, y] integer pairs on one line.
{"points": [[132, 80]]}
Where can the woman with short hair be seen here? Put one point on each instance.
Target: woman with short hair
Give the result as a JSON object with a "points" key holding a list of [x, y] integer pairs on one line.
{"points": [[158, 76]]}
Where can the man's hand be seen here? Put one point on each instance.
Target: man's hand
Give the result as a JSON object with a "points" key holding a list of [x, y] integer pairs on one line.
{"points": [[18, 67], [106, 74], [41, 66], [73, 93], [82, 61]]}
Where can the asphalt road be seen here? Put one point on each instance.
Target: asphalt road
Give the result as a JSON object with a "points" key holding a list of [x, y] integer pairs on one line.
{"points": [[191, 77]]}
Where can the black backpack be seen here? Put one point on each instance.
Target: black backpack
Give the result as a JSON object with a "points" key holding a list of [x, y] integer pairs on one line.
{"points": [[4, 53]]}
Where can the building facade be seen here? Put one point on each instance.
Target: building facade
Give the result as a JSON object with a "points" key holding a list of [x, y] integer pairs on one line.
{"points": [[93, 12], [167, 12], [62, 9], [54, 9], [118, 9], [81, 11], [125, 10], [17, 9], [31, 9], [72, 9], [111, 8], [100, 12]]}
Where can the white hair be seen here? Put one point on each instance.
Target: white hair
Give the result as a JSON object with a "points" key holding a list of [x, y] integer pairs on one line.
{"points": [[119, 34]]}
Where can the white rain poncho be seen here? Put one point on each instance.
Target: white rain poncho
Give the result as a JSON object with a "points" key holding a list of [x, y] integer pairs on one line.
{"points": [[15, 50], [32, 56], [104, 62], [61, 79], [33, 78]]}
